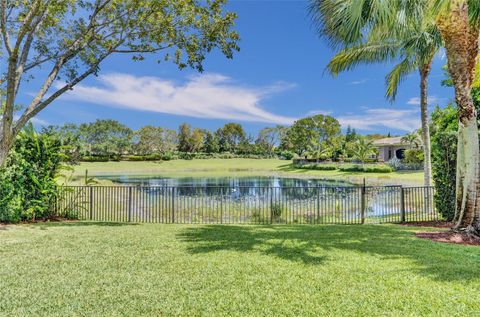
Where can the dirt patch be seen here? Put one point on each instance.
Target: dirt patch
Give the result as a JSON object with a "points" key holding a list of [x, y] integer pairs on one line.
{"points": [[450, 237], [435, 224]]}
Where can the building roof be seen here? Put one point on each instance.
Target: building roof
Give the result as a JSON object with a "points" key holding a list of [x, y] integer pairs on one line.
{"points": [[389, 141]]}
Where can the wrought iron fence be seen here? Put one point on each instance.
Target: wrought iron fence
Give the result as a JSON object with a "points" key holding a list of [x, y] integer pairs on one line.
{"points": [[248, 205]]}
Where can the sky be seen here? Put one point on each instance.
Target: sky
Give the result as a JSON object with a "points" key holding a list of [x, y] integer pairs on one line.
{"points": [[278, 76]]}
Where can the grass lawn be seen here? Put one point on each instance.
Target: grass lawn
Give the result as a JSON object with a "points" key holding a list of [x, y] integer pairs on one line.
{"points": [[98, 269], [239, 168]]}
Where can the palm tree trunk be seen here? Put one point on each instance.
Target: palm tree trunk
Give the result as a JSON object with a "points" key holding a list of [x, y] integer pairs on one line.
{"points": [[461, 44], [424, 72]]}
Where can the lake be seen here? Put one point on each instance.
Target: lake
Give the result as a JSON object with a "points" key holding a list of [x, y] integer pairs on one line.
{"points": [[262, 181]]}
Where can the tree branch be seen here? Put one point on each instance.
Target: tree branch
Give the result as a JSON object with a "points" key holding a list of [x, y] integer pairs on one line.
{"points": [[3, 27], [32, 111]]}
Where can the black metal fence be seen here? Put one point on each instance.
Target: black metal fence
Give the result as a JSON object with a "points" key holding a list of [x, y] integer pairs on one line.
{"points": [[248, 205]]}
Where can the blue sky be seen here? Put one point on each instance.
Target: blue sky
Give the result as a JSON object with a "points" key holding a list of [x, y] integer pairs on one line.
{"points": [[278, 76]]}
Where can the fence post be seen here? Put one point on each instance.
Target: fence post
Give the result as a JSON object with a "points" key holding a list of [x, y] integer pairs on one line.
{"points": [[129, 204], [91, 202], [402, 204], [173, 204], [363, 201], [271, 205], [318, 205]]}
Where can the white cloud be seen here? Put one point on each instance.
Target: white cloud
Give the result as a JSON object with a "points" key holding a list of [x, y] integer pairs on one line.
{"points": [[415, 101], [358, 82], [374, 118], [211, 96]]}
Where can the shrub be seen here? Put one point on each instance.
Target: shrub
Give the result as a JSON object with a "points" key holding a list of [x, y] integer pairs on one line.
{"points": [[444, 161], [167, 156], [28, 189], [413, 156], [90, 158], [377, 168], [287, 155], [186, 156]]}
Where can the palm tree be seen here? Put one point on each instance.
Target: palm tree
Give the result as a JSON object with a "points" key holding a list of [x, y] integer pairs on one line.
{"points": [[318, 150], [346, 23], [412, 140], [363, 149], [415, 47]]}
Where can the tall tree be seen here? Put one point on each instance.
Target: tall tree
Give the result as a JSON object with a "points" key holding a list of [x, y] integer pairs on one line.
{"points": [[318, 129], [347, 22], [106, 137], [230, 136], [415, 46], [47, 39]]}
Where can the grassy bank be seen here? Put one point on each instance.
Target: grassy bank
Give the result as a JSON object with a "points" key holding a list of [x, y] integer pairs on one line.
{"points": [[98, 269], [239, 168]]}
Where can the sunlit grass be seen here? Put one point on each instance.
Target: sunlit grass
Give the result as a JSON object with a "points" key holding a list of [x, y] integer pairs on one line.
{"points": [[98, 269]]}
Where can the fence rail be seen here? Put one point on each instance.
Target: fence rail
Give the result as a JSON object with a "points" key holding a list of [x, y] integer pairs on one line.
{"points": [[248, 205]]}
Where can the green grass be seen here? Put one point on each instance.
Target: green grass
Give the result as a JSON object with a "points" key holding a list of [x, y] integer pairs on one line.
{"points": [[99, 269], [239, 168]]}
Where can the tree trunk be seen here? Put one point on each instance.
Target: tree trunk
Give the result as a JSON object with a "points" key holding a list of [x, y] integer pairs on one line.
{"points": [[461, 44], [424, 72]]}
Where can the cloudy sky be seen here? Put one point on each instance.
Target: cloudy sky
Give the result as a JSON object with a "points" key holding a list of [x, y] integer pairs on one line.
{"points": [[278, 76]]}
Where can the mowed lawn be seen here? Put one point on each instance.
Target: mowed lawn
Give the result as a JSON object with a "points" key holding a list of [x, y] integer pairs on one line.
{"points": [[239, 168], [98, 269]]}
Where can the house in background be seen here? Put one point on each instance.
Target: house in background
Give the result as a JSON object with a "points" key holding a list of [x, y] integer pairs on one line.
{"points": [[389, 148]]}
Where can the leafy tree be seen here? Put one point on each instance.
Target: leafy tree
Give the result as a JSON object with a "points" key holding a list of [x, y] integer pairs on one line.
{"points": [[210, 144], [70, 138], [230, 136], [190, 140], [350, 135], [150, 140], [347, 23], [184, 137], [197, 140], [64, 42], [106, 137], [316, 129]]}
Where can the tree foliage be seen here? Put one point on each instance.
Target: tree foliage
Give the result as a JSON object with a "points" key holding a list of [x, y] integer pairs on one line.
{"points": [[60, 43], [28, 187]]}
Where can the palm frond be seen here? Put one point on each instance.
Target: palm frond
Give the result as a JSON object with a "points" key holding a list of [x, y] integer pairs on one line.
{"points": [[368, 53], [397, 75]]}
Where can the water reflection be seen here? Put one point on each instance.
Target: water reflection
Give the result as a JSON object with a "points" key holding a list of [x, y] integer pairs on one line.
{"points": [[234, 187]]}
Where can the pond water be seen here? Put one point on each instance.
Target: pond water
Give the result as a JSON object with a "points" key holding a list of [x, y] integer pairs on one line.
{"points": [[262, 181]]}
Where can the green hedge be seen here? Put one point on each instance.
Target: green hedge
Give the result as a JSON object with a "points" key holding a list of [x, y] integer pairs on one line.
{"points": [[318, 167], [378, 168]]}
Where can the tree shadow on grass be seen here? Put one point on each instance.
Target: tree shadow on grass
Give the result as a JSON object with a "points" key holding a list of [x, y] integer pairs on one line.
{"points": [[310, 245]]}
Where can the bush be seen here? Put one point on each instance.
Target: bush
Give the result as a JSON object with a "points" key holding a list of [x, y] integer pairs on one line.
{"points": [[91, 158], [28, 189], [444, 161], [186, 156], [377, 168], [413, 156], [167, 156], [287, 155], [318, 167]]}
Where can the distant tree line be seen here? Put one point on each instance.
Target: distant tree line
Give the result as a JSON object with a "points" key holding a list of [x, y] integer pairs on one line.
{"points": [[316, 137]]}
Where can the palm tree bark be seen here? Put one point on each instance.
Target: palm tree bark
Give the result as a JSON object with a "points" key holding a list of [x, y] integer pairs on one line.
{"points": [[424, 72], [461, 44]]}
